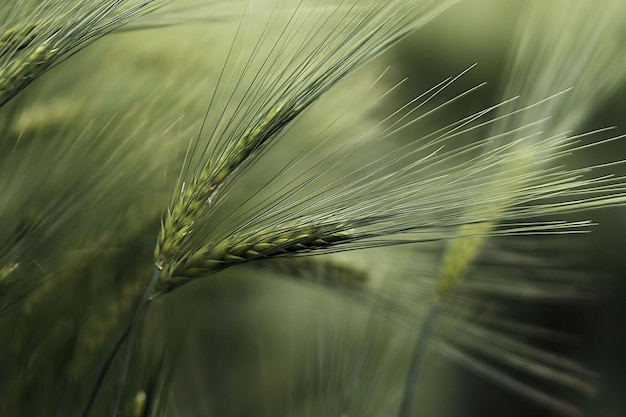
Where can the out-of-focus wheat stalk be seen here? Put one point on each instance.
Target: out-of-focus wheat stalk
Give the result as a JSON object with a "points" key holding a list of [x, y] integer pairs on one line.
{"points": [[559, 48]]}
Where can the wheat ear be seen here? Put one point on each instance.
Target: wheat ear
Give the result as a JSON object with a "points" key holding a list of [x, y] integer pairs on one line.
{"points": [[34, 36], [556, 37], [19, 73], [559, 42], [264, 244], [363, 32], [194, 198]]}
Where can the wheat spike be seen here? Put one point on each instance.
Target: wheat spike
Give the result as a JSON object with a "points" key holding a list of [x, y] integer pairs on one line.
{"points": [[263, 244], [361, 34], [196, 196], [20, 72]]}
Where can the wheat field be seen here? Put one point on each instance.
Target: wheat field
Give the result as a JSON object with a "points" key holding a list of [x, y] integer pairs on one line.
{"points": [[311, 207]]}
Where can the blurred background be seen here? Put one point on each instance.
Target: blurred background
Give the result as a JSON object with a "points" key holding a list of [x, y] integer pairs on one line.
{"points": [[487, 32]]}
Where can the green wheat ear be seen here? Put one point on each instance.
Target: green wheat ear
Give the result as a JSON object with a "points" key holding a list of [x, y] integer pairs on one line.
{"points": [[237, 250], [197, 196], [37, 35], [362, 32], [555, 45]]}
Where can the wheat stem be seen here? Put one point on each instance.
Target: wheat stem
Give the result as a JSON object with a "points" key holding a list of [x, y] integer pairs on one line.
{"points": [[415, 367], [127, 334]]}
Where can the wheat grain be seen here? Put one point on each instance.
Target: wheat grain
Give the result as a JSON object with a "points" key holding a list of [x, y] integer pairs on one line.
{"points": [[8, 269], [18, 38], [139, 405]]}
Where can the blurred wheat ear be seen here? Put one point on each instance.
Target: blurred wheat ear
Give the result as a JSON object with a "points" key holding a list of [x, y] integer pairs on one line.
{"points": [[35, 35], [38, 35], [558, 48]]}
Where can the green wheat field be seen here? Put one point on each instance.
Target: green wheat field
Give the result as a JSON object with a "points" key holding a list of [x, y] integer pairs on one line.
{"points": [[316, 208]]}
